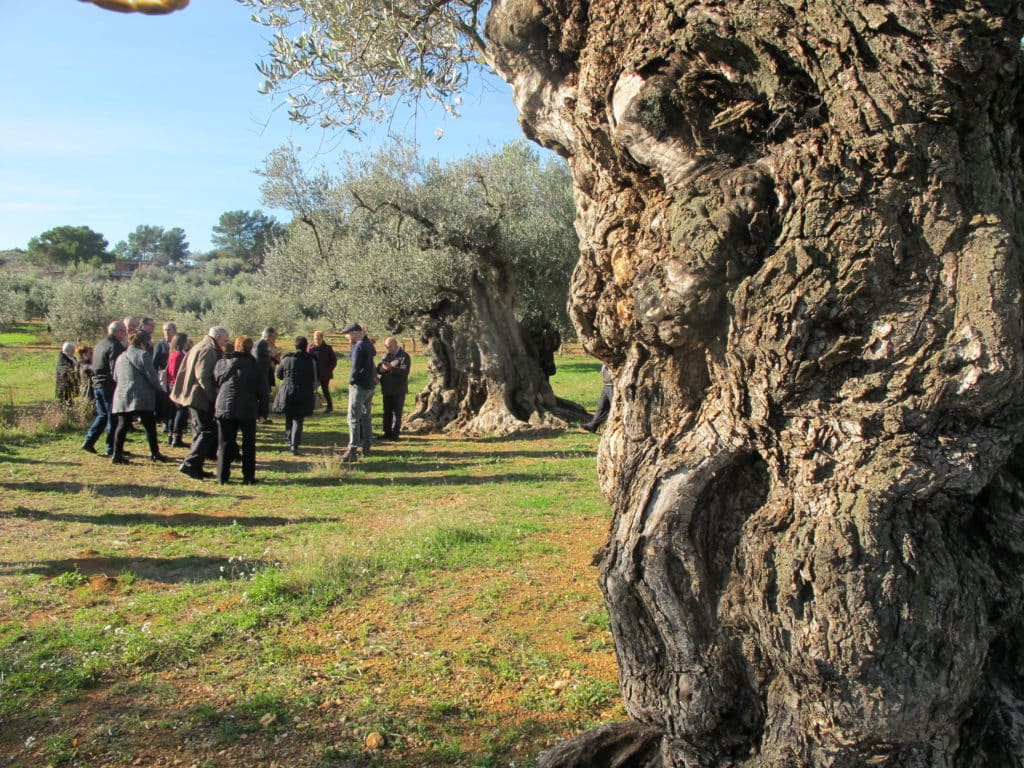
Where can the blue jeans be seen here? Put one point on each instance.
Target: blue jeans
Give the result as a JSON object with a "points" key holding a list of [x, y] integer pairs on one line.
{"points": [[104, 420], [359, 429]]}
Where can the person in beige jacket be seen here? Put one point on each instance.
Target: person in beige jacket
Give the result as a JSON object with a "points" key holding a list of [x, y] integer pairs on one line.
{"points": [[196, 388]]}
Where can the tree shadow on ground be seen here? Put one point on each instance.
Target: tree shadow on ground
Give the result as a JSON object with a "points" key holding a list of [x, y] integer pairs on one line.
{"points": [[162, 570], [442, 481], [104, 489], [213, 732], [170, 520]]}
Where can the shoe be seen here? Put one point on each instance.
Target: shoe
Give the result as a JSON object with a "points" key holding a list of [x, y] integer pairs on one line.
{"points": [[328, 410], [177, 442], [250, 481], [116, 459], [194, 474], [294, 449], [350, 455], [158, 457], [88, 447], [589, 428], [366, 450], [222, 482]]}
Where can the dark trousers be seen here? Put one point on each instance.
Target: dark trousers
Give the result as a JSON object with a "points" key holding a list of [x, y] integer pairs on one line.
{"points": [[293, 430], [604, 407], [325, 387], [104, 419], [179, 421], [228, 451], [124, 421], [393, 406], [204, 440]]}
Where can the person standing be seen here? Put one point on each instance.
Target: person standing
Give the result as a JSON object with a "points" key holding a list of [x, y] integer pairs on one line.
{"points": [[161, 352], [604, 402], [297, 394], [196, 388], [67, 375], [394, 386], [175, 358], [267, 354], [104, 356], [84, 353], [135, 396], [326, 362], [242, 399], [361, 381], [162, 349]]}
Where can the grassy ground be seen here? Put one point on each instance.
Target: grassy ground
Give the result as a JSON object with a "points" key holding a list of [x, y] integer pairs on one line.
{"points": [[437, 594]]}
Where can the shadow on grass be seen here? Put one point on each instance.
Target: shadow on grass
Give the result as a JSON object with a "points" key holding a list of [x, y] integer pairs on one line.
{"points": [[104, 489], [443, 481], [232, 731], [173, 520], [162, 570]]}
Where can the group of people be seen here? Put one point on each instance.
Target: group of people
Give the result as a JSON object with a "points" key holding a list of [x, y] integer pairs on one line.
{"points": [[222, 389]]}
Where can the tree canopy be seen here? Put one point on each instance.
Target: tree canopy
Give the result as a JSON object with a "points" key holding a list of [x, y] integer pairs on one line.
{"points": [[244, 235], [152, 244], [396, 234], [69, 245], [346, 63]]}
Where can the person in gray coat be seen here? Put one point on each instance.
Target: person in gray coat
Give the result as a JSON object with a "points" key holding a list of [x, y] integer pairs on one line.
{"points": [[296, 397], [242, 398], [135, 395]]}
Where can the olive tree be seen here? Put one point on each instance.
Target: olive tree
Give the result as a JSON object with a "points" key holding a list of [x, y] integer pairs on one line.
{"points": [[801, 256], [403, 242]]}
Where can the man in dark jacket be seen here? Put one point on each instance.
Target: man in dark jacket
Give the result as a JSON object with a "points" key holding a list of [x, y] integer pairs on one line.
{"points": [[297, 394], [361, 384], [104, 356], [267, 354], [243, 397], [394, 385], [326, 362]]}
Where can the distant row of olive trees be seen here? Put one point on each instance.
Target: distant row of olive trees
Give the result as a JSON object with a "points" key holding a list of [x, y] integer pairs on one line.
{"points": [[79, 304]]}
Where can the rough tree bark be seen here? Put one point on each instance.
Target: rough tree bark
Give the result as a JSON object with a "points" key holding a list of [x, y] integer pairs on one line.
{"points": [[453, 385], [482, 379], [801, 241]]}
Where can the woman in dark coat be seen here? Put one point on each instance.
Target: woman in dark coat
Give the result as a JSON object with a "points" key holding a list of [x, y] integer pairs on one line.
{"points": [[243, 397], [296, 397], [135, 396]]}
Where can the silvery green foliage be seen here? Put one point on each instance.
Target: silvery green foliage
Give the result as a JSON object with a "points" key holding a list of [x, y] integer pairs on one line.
{"points": [[393, 235], [347, 62], [12, 301], [81, 308]]}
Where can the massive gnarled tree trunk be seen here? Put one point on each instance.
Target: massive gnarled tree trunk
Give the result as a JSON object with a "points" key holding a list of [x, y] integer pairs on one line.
{"points": [[484, 376], [454, 385], [801, 253]]}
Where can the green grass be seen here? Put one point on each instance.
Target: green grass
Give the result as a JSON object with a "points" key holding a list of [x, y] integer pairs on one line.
{"points": [[434, 592]]}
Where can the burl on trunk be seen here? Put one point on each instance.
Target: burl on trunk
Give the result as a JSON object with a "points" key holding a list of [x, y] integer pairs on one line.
{"points": [[801, 242]]}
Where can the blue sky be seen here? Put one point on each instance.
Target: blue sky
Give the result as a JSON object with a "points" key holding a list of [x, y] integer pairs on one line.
{"points": [[113, 120]]}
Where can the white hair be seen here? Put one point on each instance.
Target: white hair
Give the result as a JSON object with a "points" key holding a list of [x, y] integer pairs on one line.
{"points": [[68, 348], [219, 331]]}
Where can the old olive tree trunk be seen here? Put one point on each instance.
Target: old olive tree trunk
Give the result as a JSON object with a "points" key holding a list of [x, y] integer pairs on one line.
{"points": [[801, 252]]}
